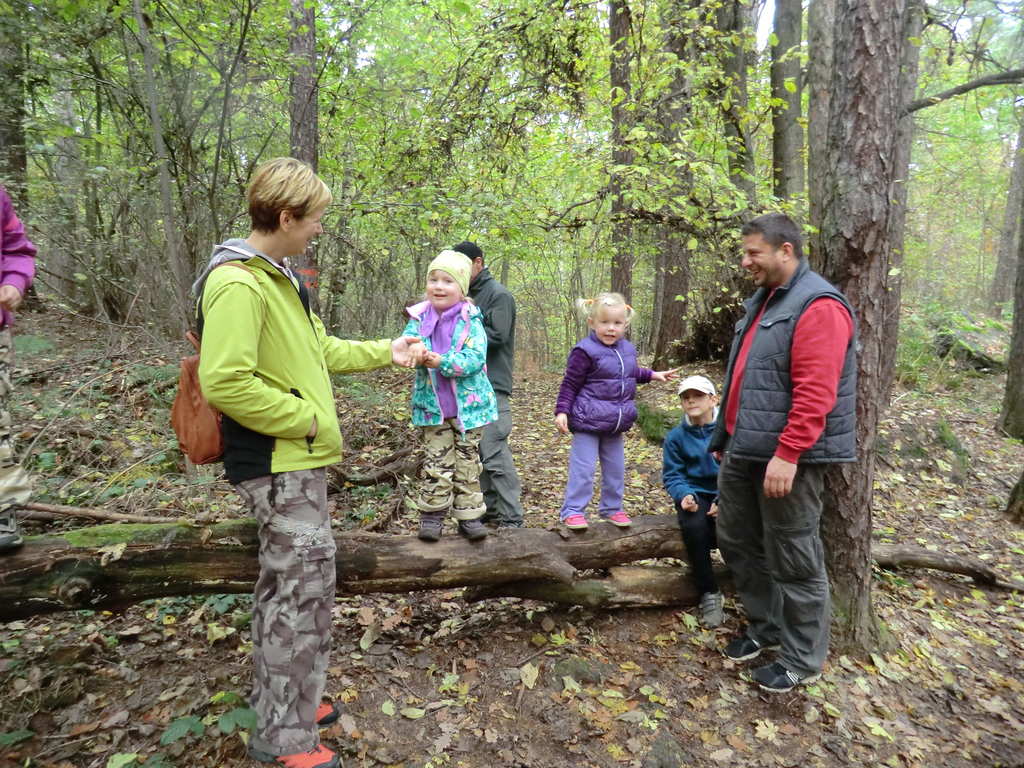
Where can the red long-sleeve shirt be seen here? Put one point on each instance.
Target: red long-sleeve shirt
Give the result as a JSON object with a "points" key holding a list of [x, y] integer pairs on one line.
{"points": [[817, 353]]}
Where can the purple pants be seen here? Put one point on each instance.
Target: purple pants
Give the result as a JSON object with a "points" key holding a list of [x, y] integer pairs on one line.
{"points": [[587, 448]]}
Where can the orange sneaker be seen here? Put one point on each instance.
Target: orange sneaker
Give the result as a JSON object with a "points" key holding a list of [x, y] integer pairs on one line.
{"points": [[326, 714], [319, 757]]}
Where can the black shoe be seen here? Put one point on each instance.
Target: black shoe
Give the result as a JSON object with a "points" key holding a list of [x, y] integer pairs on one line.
{"points": [[431, 528], [776, 678], [745, 647], [10, 536], [473, 530], [510, 524]]}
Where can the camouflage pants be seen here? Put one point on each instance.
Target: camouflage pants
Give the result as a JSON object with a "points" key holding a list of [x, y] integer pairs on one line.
{"points": [[15, 482], [450, 478], [292, 602]]}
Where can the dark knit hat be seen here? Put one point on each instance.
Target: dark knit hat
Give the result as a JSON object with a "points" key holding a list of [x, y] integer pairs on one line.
{"points": [[470, 249]]}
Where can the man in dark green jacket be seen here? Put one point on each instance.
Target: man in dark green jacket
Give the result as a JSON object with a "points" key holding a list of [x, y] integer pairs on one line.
{"points": [[498, 481]]}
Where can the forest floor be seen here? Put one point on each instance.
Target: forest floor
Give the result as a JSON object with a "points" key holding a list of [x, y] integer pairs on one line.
{"points": [[426, 679]]}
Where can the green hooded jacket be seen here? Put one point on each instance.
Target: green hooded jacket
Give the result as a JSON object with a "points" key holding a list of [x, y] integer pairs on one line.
{"points": [[265, 366]]}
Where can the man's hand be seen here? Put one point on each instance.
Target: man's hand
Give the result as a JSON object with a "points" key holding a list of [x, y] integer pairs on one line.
{"points": [[407, 351], [562, 423], [688, 503], [10, 297], [778, 478]]}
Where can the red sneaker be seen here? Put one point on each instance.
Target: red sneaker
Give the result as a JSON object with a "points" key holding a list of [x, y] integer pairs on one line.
{"points": [[326, 714], [320, 757], [619, 519], [575, 522]]}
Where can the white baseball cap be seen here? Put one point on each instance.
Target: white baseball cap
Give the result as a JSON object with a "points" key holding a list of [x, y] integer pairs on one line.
{"points": [[699, 383]]}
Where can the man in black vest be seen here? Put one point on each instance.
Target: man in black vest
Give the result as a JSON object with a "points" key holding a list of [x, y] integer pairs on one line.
{"points": [[498, 481], [788, 411]]}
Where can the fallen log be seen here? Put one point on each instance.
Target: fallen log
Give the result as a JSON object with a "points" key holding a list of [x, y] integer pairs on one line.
{"points": [[111, 566]]}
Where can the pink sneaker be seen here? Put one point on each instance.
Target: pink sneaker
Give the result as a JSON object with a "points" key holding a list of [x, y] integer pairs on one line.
{"points": [[576, 522], [619, 519]]}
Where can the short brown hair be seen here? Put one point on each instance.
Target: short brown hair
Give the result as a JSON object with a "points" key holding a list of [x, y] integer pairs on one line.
{"points": [[285, 184], [776, 229]]}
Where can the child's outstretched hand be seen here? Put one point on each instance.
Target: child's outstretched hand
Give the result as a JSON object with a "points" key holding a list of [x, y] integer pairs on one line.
{"points": [[562, 423], [665, 375], [431, 360], [406, 351]]}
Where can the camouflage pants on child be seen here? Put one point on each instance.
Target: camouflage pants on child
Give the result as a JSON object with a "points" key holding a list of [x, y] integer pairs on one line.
{"points": [[15, 482], [292, 602], [450, 477]]}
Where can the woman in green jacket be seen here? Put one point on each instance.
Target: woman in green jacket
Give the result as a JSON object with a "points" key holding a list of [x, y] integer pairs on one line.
{"points": [[265, 365]]}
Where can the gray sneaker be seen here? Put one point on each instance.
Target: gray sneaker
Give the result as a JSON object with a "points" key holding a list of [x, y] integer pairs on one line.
{"points": [[712, 612], [10, 536]]}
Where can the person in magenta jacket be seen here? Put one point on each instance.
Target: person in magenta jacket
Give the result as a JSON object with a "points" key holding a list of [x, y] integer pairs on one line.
{"points": [[17, 268]]}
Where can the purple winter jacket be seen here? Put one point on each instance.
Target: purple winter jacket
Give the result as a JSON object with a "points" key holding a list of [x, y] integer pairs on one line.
{"points": [[599, 386], [17, 253]]}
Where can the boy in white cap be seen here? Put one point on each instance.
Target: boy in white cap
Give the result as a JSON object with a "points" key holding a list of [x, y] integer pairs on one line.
{"points": [[690, 475]]}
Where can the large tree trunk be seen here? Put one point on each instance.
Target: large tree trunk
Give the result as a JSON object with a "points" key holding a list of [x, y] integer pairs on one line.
{"points": [[731, 94], [619, 35], [856, 217], [673, 112], [821, 16], [787, 134], [111, 566], [305, 126], [1011, 418], [13, 160], [1000, 292]]}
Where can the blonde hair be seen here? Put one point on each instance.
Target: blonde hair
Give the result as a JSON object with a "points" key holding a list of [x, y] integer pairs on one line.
{"points": [[589, 308], [285, 184]]}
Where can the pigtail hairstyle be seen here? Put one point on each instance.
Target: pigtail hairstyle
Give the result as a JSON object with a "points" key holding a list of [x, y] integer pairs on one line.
{"points": [[588, 308]]}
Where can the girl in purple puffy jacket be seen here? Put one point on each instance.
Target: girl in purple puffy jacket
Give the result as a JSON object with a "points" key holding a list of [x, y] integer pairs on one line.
{"points": [[595, 403]]}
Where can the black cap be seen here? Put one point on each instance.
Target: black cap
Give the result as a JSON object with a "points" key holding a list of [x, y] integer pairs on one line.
{"points": [[470, 249]]}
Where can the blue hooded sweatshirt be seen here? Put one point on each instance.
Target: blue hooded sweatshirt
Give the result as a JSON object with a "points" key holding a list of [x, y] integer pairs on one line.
{"points": [[687, 467]]}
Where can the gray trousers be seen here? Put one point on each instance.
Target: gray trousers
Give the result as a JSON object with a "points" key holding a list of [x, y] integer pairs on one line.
{"points": [[499, 481], [773, 548], [291, 610]]}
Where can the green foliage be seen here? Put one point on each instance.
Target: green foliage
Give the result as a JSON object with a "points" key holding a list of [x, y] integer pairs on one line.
{"points": [[10, 738], [182, 728], [31, 346], [241, 718]]}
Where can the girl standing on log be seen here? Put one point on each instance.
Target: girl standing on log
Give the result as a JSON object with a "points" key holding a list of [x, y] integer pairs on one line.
{"points": [[595, 403], [452, 400], [264, 365]]}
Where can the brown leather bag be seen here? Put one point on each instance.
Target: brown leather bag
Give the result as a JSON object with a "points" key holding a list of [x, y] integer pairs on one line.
{"points": [[195, 421]]}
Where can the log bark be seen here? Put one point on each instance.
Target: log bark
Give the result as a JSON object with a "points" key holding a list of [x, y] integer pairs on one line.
{"points": [[111, 566]]}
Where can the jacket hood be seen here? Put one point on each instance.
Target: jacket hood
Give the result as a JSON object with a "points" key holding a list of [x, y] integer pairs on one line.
{"points": [[235, 249]]}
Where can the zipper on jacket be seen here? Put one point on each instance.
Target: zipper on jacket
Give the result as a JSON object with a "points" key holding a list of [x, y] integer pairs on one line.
{"points": [[622, 386]]}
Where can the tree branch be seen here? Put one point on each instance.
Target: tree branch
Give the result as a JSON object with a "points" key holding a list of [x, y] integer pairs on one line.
{"points": [[998, 78]]}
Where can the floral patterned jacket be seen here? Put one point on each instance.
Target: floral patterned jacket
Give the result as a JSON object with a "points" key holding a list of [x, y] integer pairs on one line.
{"points": [[463, 367]]}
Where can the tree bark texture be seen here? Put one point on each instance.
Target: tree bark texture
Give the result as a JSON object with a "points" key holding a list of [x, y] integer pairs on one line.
{"points": [[732, 97], [1001, 291], [111, 566], [856, 219], [305, 128], [13, 158], [620, 36], [898, 215], [1011, 418], [821, 16], [673, 112], [787, 134]]}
